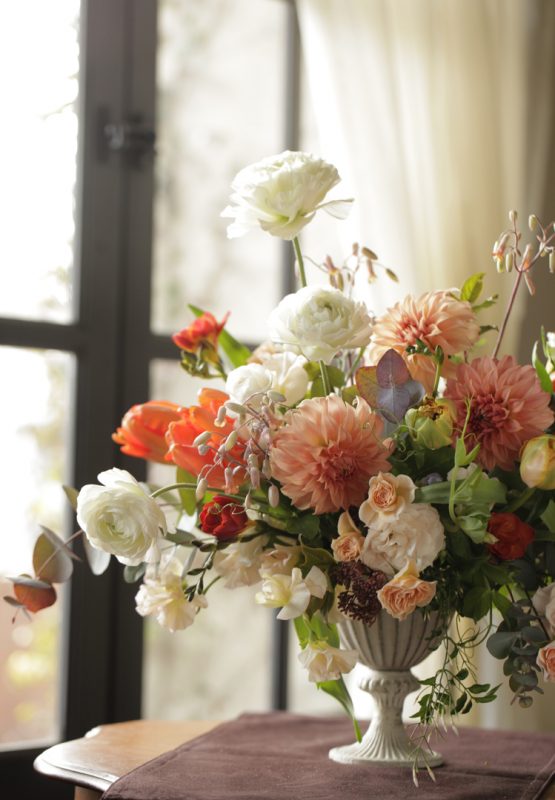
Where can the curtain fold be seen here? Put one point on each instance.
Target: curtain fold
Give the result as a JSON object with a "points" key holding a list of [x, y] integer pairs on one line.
{"points": [[438, 115]]}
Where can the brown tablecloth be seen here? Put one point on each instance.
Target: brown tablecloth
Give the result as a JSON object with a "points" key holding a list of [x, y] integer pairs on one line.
{"points": [[283, 756]]}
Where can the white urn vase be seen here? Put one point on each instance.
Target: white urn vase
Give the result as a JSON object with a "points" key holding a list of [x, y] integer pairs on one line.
{"points": [[389, 648]]}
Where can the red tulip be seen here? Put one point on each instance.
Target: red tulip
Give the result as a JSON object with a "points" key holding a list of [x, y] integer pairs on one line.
{"points": [[143, 430]]}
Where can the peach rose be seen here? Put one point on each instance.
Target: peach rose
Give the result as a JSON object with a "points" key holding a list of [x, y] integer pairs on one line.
{"points": [[388, 496], [405, 591], [348, 545], [546, 661]]}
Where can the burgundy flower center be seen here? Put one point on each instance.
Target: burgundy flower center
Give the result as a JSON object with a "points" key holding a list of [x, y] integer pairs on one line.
{"points": [[487, 415], [336, 465]]}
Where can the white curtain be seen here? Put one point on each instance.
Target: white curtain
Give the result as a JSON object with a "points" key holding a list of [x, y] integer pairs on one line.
{"points": [[438, 115]]}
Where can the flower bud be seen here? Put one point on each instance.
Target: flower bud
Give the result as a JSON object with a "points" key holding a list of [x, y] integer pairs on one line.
{"points": [[552, 261], [513, 216], [202, 486], [532, 222], [231, 441], [537, 463], [202, 438], [431, 424], [273, 495], [509, 261], [220, 417]]}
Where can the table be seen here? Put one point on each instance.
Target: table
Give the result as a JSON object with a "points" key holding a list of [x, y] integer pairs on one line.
{"points": [[108, 752]]}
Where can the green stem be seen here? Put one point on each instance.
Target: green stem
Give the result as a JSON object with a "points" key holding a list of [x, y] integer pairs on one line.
{"points": [[173, 486], [300, 262], [355, 364], [520, 500], [325, 378]]}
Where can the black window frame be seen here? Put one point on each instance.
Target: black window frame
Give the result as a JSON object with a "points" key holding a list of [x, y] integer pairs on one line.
{"points": [[102, 655]]}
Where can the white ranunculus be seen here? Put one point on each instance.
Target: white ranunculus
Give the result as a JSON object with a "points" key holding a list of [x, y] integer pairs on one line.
{"points": [[319, 321], [416, 535], [248, 383], [281, 194], [279, 372], [121, 518], [326, 663], [162, 596]]}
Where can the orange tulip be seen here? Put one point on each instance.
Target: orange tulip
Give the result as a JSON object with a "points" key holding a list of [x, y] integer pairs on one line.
{"points": [[143, 430], [194, 421], [203, 331]]}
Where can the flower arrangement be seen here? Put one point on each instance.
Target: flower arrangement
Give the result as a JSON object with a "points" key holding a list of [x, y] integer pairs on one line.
{"points": [[353, 465]]}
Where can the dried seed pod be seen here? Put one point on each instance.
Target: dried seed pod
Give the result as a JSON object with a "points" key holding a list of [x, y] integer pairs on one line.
{"points": [[202, 486], [202, 438], [273, 496]]}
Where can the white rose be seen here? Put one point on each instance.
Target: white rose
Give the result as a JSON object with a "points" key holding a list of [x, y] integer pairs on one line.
{"points": [[416, 535], [318, 321], [162, 596], [544, 603], [121, 518], [280, 372], [281, 194], [326, 663]]}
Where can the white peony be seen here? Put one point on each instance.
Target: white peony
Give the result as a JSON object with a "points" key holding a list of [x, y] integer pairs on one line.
{"points": [[326, 663], [281, 194], [162, 596], [318, 321], [291, 592], [416, 535], [279, 372], [544, 604], [121, 518]]}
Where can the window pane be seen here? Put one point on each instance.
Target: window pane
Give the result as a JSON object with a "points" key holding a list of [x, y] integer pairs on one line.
{"points": [[37, 440], [184, 676], [39, 61], [221, 72]]}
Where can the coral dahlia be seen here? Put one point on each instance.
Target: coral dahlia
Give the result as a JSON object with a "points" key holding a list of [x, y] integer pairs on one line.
{"points": [[326, 452], [508, 407], [435, 318]]}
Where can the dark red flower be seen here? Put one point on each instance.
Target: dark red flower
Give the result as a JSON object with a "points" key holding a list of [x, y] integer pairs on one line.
{"points": [[512, 534], [223, 518]]}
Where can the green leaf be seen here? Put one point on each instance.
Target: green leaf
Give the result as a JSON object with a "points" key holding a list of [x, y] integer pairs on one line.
{"points": [[472, 287], [236, 352], [367, 384], [338, 690], [488, 303], [181, 537], [501, 643], [187, 496], [302, 629], [71, 495], [548, 516], [543, 374], [133, 574], [533, 635], [52, 561], [476, 603]]}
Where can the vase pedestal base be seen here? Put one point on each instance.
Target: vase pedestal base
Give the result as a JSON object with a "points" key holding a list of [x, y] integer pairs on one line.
{"points": [[386, 741]]}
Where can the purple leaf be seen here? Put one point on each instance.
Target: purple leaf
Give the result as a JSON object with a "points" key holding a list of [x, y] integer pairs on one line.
{"points": [[393, 402], [392, 370]]}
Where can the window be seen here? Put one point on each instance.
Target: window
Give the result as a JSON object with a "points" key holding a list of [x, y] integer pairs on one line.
{"points": [[86, 332]]}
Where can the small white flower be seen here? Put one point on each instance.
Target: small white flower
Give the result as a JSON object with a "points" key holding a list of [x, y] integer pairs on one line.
{"points": [[121, 518], [417, 535], [281, 372], [163, 597], [239, 563], [281, 194], [290, 592], [319, 321], [326, 663]]}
